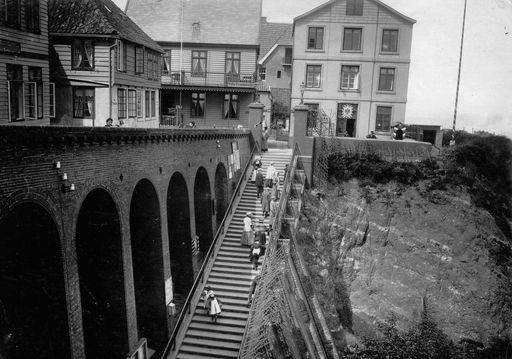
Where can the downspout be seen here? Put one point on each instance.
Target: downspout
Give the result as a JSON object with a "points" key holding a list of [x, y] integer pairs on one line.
{"points": [[373, 68], [109, 80]]}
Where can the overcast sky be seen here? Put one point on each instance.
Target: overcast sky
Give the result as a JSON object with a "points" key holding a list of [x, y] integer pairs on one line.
{"points": [[485, 100]]}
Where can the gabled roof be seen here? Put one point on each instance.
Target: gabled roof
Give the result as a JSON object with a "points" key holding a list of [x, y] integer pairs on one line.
{"points": [[273, 33], [95, 17], [377, 2], [232, 22]]}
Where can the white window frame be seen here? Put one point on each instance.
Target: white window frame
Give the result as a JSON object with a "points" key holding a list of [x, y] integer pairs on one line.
{"points": [[121, 62], [357, 78], [125, 104], [134, 114], [26, 111], [306, 77], [51, 96], [140, 101]]}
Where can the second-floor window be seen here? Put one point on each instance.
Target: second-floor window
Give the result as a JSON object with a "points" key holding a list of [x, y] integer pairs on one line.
{"points": [[34, 93], [389, 41], [313, 75], [387, 79], [355, 7], [315, 38], [263, 73], [153, 65], [199, 63], [287, 56], [349, 77], [166, 63], [32, 15], [10, 12], [15, 88], [82, 54], [233, 66], [198, 102], [122, 55], [352, 39], [139, 60]]}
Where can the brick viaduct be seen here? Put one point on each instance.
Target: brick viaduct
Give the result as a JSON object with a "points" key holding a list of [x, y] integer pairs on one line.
{"points": [[96, 262]]}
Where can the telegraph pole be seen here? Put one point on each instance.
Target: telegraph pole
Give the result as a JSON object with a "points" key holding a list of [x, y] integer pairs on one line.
{"points": [[460, 67]]}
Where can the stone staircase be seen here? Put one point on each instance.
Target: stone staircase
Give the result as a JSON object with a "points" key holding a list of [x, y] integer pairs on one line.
{"points": [[230, 279]]}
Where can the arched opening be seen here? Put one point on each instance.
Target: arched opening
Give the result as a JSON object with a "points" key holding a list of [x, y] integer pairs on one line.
{"points": [[33, 314], [221, 192], [203, 210], [180, 245], [100, 268], [147, 259]]}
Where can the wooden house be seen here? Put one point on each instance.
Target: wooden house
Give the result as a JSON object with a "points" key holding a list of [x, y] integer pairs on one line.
{"points": [[26, 95], [103, 65], [211, 50]]}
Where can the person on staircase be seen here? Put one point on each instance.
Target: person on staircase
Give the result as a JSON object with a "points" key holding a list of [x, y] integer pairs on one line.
{"points": [[274, 204], [252, 289], [248, 235], [264, 139], [256, 164], [271, 170], [259, 181], [276, 185], [215, 307], [265, 200], [254, 254], [207, 294], [260, 232]]}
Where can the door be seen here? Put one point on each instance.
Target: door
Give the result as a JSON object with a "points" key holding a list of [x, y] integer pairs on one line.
{"points": [[346, 120]]}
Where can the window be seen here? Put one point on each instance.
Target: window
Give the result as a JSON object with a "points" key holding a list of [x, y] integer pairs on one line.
{"points": [[199, 63], [153, 103], [278, 74], [197, 106], [32, 15], [313, 75], [121, 55], [383, 118], [132, 103], [389, 41], [82, 55], [15, 91], [139, 104], [10, 12], [349, 77], [52, 100], [352, 39], [354, 7], [83, 102], [166, 63], [147, 109], [315, 38], [139, 60], [233, 66], [287, 56], [34, 93], [263, 73], [387, 79], [153, 66], [121, 103], [231, 106]]}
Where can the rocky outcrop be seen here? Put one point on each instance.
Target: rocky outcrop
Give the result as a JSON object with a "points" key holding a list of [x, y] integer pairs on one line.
{"points": [[400, 251]]}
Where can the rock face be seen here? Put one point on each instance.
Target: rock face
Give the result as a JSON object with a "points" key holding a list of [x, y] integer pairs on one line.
{"points": [[401, 251]]}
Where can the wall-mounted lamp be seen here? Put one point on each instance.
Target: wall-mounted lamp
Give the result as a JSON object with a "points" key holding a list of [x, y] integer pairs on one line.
{"points": [[64, 176], [302, 88], [56, 164], [218, 143], [67, 187]]}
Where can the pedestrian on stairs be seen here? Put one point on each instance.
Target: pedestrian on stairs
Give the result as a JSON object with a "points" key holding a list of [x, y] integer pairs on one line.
{"points": [[252, 289], [259, 182], [273, 209], [255, 165], [248, 235], [265, 200], [215, 307], [276, 185], [260, 232], [254, 254], [264, 139], [271, 170], [207, 295]]}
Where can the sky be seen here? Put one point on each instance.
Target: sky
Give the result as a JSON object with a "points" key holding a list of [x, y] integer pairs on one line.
{"points": [[485, 98]]}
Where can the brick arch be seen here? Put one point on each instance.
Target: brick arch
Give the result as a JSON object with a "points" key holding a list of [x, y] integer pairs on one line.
{"points": [[99, 249], [33, 310], [180, 244], [203, 209], [221, 192], [148, 265]]}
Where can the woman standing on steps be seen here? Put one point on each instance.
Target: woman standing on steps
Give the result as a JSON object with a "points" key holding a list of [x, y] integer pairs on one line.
{"points": [[215, 307]]}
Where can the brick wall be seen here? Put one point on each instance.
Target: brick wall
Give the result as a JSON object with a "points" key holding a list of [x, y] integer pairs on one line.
{"points": [[114, 159]]}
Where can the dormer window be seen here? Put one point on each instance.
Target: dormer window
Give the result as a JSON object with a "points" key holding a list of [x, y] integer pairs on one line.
{"points": [[82, 54], [354, 7]]}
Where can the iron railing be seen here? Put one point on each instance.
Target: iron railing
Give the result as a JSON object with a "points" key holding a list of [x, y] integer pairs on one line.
{"points": [[186, 310], [210, 79], [319, 123]]}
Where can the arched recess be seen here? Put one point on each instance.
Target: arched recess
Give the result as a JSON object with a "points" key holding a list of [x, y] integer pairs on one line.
{"points": [[100, 269], [148, 267], [33, 313], [203, 209], [221, 192], [180, 245]]}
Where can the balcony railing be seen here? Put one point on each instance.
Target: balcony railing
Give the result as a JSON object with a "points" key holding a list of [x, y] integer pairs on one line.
{"points": [[209, 79]]}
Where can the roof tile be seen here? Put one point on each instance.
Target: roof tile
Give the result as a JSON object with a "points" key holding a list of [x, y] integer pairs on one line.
{"points": [[272, 33]]}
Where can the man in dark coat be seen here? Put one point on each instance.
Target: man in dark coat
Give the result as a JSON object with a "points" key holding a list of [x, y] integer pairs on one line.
{"points": [[259, 182]]}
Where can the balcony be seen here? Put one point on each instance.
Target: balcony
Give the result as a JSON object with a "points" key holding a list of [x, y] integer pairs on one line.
{"points": [[214, 79]]}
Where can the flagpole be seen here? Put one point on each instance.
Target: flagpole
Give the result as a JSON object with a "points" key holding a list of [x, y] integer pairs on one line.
{"points": [[460, 67]]}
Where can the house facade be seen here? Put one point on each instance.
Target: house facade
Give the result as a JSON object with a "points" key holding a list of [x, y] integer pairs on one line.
{"points": [[26, 94], [211, 49], [103, 66], [275, 67], [351, 60]]}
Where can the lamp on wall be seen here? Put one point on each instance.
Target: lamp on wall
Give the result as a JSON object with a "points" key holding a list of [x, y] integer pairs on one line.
{"points": [[302, 88]]}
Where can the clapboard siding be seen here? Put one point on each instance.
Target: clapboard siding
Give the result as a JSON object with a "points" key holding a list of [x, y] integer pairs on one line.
{"points": [[30, 42], [129, 77]]}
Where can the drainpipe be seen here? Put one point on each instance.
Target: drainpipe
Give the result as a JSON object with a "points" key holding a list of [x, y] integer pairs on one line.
{"points": [[110, 79], [373, 67]]}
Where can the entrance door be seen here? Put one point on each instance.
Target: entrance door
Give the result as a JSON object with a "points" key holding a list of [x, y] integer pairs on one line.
{"points": [[346, 120]]}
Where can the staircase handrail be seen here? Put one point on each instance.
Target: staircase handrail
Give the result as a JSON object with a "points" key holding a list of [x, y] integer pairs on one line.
{"points": [[171, 344], [276, 230]]}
